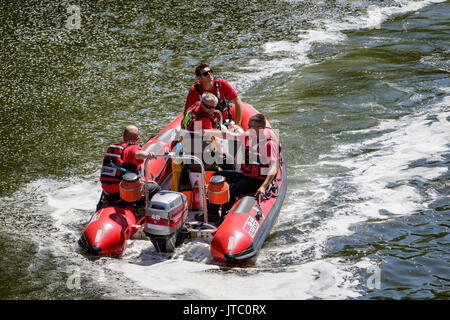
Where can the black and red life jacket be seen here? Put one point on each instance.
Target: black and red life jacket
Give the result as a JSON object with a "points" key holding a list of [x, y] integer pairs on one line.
{"points": [[110, 174], [195, 112], [224, 105], [253, 167]]}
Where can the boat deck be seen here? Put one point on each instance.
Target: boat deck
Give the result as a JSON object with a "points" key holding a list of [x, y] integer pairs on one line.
{"points": [[165, 185]]}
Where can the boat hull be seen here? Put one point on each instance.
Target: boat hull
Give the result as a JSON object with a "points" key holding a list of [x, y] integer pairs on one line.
{"points": [[240, 237], [108, 231], [236, 241]]}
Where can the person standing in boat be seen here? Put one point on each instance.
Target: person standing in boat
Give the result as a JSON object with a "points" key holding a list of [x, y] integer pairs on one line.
{"points": [[260, 159], [225, 94], [126, 156]]}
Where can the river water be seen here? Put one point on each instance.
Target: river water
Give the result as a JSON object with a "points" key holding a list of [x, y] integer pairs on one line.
{"points": [[359, 91]]}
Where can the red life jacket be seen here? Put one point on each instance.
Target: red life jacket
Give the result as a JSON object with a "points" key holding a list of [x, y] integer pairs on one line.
{"points": [[224, 105], [216, 85], [256, 168], [195, 112], [110, 174]]}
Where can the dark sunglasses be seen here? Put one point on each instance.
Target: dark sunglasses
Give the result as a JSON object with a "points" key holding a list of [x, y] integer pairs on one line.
{"points": [[208, 106], [256, 127], [206, 73]]}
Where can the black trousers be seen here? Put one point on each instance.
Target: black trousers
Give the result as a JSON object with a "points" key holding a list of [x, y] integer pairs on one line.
{"points": [[239, 186]]}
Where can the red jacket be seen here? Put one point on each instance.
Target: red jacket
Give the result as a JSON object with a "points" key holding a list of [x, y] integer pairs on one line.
{"points": [[256, 161], [221, 89], [194, 114], [121, 155]]}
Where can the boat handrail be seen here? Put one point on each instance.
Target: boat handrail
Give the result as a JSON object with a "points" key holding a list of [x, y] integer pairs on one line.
{"points": [[173, 155]]}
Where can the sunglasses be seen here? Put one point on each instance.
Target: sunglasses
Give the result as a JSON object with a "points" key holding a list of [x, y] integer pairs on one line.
{"points": [[255, 127], [208, 106], [206, 73]]}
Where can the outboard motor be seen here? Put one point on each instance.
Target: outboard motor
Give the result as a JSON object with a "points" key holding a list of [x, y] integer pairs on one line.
{"points": [[165, 217]]}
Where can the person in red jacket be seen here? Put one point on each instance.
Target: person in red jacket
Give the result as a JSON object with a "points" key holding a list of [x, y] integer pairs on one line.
{"points": [[261, 158], [201, 114], [127, 155], [220, 88], [199, 117]]}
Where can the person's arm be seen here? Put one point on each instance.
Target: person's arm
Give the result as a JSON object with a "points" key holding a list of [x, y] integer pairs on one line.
{"points": [[221, 134], [238, 112], [142, 155], [273, 167], [191, 98], [271, 174], [233, 97]]}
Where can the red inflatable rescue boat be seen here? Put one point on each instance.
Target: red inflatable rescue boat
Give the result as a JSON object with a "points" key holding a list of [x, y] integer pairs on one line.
{"points": [[170, 214]]}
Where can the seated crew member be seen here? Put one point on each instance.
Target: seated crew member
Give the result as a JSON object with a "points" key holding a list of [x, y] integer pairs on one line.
{"points": [[261, 159], [220, 88], [127, 155], [199, 117]]}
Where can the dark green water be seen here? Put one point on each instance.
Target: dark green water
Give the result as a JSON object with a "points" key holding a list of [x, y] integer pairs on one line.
{"points": [[359, 91]]}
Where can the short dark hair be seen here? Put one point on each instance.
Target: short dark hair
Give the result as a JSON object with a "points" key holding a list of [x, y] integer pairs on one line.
{"points": [[200, 67], [259, 118]]}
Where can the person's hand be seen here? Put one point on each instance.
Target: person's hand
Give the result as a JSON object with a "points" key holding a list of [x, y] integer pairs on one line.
{"points": [[151, 155], [228, 158], [233, 127], [261, 191]]}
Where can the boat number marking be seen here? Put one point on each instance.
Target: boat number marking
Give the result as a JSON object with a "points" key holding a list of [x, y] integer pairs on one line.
{"points": [[154, 226], [98, 235], [230, 243], [251, 226]]}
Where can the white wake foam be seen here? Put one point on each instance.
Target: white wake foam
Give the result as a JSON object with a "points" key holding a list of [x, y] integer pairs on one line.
{"points": [[323, 279], [375, 185], [72, 201]]}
